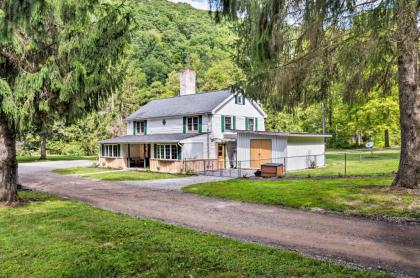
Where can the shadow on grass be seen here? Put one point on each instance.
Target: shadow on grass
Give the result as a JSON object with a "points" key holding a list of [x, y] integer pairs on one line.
{"points": [[64, 238]]}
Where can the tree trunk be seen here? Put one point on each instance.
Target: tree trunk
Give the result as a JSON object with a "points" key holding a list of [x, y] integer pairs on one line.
{"points": [[43, 146], [387, 145], [409, 95], [8, 163]]}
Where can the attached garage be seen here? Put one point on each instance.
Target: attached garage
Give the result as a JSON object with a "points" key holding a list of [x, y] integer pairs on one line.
{"points": [[294, 150], [261, 152]]}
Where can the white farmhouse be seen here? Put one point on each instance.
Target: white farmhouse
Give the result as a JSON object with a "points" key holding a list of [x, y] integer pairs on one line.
{"points": [[207, 131]]}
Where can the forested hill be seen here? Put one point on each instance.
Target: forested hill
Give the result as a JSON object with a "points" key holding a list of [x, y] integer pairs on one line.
{"points": [[171, 33], [167, 36]]}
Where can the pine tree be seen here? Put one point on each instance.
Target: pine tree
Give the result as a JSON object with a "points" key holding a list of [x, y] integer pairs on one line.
{"points": [[56, 62]]}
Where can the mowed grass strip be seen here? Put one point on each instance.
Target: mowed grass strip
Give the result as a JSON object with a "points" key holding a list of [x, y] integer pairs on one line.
{"points": [[60, 238], [26, 159], [116, 175], [357, 196], [82, 170]]}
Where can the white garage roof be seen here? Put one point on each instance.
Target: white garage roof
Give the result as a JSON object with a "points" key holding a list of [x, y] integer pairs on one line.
{"points": [[283, 134]]}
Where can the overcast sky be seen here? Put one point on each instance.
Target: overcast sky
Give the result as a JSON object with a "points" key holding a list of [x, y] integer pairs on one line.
{"points": [[198, 4]]}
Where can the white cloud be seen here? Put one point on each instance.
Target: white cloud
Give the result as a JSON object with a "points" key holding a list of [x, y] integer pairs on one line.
{"points": [[198, 4]]}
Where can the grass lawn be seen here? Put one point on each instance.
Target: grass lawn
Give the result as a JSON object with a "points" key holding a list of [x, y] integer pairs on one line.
{"points": [[364, 196], [116, 175], [82, 170], [360, 163], [50, 237], [24, 159]]}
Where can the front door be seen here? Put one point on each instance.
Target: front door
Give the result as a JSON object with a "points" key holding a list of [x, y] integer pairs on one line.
{"points": [[260, 152], [221, 155]]}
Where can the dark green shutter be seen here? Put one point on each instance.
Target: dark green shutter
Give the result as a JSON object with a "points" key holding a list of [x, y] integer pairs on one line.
{"points": [[119, 150], [256, 124], [145, 127], [223, 123], [155, 151], [236, 99], [103, 149], [200, 124], [179, 152], [134, 128], [234, 122], [184, 124], [246, 123]]}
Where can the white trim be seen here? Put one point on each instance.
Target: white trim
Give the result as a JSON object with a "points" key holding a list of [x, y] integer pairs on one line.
{"points": [[112, 150]]}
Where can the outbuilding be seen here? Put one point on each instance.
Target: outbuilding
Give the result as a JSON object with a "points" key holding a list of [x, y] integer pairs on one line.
{"points": [[294, 150]]}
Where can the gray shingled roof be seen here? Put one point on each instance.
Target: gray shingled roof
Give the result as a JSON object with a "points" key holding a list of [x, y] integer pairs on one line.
{"points": [[181, 105], [152, 138]]}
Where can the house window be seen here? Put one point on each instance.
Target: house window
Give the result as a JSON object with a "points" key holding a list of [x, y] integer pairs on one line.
{"points": [[228, 123], [140, 127], [192, 124], [110, 150], [240, 99], [167, 152], [251, 124]]}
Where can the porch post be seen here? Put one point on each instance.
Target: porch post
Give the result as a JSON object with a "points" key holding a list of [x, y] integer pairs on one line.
{"points": [[128, 156]]}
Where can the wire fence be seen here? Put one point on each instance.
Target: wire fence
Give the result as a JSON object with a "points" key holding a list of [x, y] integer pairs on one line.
{"points": [[332, 164]]}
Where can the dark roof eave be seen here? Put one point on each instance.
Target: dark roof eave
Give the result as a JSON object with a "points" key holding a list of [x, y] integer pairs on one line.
{"points": [[154, 138], [169, 116]]}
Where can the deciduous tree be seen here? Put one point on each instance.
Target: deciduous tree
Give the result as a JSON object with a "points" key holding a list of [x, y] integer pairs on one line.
{"points": [[282, 41]]}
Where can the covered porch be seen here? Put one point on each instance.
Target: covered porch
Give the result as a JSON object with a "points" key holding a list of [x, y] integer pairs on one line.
{"points": [[157, 152]]}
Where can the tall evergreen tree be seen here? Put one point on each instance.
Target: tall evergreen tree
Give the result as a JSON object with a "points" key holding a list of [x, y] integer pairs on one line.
{"points": [[56, 62], [281, 42]]}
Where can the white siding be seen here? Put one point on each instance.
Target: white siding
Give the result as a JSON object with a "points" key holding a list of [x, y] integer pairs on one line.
{"points": [[190, 146], [173, 125], [238, 110], [278, 148], [303, 151], [124, 150], [193, 150], [129, 128]]}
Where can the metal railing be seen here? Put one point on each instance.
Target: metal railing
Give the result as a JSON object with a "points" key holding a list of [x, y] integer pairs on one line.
{"points": [[332, 164]]}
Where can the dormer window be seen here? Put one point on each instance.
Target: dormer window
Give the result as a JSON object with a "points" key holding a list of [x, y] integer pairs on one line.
{"points": [[140, 127], [239, 99]]}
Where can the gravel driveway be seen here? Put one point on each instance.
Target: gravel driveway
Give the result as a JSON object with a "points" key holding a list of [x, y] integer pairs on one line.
{"points": [[173, 184], [367, 243]]}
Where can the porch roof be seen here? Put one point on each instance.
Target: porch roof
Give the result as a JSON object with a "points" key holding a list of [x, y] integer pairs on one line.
{"points": [[152, 138]]}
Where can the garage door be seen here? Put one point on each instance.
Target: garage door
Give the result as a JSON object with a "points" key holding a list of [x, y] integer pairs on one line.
{"points": [[260, 152]]}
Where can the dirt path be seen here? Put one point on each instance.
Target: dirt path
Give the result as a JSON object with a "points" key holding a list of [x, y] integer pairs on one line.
{"points": [[376, 244]]}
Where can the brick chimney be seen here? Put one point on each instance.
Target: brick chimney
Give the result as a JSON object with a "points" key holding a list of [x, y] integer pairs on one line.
{"points": [[187, 82]]}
